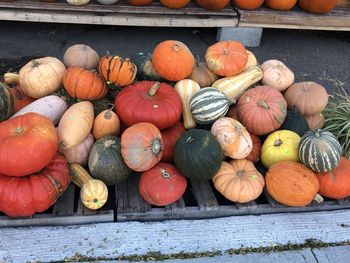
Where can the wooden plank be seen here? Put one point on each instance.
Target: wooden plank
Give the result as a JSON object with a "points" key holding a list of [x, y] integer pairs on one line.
{"points": [[135, 201], [273, 203], [249, 205], [179, 205], [121, 197], [204, 195], [65, 204], [345, 3], [83, 210]]}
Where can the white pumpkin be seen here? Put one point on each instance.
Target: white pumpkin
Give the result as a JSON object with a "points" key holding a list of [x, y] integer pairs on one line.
{"points": [[78, 2]]}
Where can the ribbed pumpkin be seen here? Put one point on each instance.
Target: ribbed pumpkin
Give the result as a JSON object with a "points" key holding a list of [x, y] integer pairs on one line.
{"points": [[213, 4], [160, 104], [336, 183], [203, 75], [295, 122], [162, 185], [198, 155], [226, 58], [277, 75], [173, 60], [117, 70], [280, 4], [208, 105], [80, 153], [81, 56], [315, 121], [255, 154], [106, 123], [106, 162], [6, 102], [262, 110], [291, 183], [170, 136], [248, 4], [317, 6], [320, 150], [84, 84], [234, 139], [175, 4], [239, 181], [142, 146], [94, 194], [145, 69], [139, 2], [280, 146]]}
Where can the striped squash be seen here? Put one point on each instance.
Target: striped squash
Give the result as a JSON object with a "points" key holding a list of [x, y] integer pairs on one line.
{"points": [[94, 194], [6, 102], [320, 150], [208, 104], [233, 87]]}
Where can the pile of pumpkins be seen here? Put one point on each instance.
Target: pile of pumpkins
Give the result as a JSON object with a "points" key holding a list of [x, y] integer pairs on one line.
{"points": [[93, 121]]}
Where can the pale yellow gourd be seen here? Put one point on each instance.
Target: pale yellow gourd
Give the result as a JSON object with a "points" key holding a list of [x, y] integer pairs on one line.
{"points": [[78, 2], [252, 61]]}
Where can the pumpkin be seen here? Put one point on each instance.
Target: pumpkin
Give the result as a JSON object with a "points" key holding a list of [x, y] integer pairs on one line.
{"points": [[248, 5], [336, 183], [234, 139], [142, 146], [318, 6], [117, 70], [295, 186], [233, 87], [94, 194], [239, 181], [262, 110], [255, 154], [295, 122], [203, 75], [208, 105], [280, 146], [277, 75], [320, 150], [170, 136], [160, 104], [213, 4], [41, 77], [84, 84], [226, 58], [75, 124], [6, 102], [106, 162], [145, 69], [27, 144], [107, 2], [309, 97], [35, 193], [198, 155], [81, 56], [252, 61], [315, 121], [20, 100], [52, 107], [162, 185], [79, 154], [280, 4], [233, 112], [78, 2], [173, 60], [139, 2], [186, 89], [106, 123], [174, 4]]}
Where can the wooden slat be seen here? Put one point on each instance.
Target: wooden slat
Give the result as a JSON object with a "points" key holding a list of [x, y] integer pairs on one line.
{"points": [[272, 202], [83, 210], [204, 195], [177, 206], [65, 204], [121, 197], [250, 205], [135, 201], [343, 3]]}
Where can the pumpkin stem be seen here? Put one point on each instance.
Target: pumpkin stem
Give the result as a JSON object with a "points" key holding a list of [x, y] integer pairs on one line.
{"points": [[108, 115], [278, 142], [263, 104], [156, 147], [189, 140], [153, 90], [10, 77], [35, 64], [176, 48], [226, 52], [305, 86], [165, 174], [19, 130], [318, 198], [240, 173], [109, 143]]}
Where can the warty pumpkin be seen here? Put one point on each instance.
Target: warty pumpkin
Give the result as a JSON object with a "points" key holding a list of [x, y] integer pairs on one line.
{"points": [[295, 122], [177, 4], [280, 4], [213, 4], [255, 154], [203, 75], [170, 136], [81, 55], [106, 123], [318, 6], [248, 4], [277, 75], [6, 102]]}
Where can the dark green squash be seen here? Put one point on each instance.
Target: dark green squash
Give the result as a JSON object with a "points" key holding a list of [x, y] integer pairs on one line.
{"points": [[106, 162], [145, 69], [295, 122], [6, 102], [198, 155]]}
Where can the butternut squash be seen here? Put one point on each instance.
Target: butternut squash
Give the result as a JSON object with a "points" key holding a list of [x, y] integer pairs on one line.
{"points": [[79, 153]]}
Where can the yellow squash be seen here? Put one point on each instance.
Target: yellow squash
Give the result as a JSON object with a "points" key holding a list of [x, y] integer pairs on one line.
{"points": [[94, 194]]}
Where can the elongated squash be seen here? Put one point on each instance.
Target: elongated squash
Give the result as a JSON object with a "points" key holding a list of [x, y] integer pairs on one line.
{"points": [[79, 174], [233, 87]]}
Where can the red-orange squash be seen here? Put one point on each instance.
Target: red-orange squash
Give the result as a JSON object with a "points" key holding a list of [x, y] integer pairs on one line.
{"points": [[20, 99], [139, 2], [174, 4], [248, 4], [280, 4], [255, 154], [213, 4], [27, 144], [170, 136], [318, 6]]}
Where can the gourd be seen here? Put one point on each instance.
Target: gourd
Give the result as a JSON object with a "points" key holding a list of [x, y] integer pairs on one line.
{"points": [[295, 122], [203, 75], [106, 123], [78, 2], [81, 55], [6, 102], [252, 61], [170, 136], [277, 75]]}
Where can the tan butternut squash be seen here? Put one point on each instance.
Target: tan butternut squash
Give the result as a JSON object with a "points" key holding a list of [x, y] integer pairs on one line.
{"points": [[79, 174], [79, 153]]}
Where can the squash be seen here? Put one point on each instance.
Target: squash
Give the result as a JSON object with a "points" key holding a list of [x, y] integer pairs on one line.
{"points": [[81, 55], [239, 181], [277, 75], [234, 139], [248, 4], [142, 146], [208, 104], [145, 69], [317, 6], [170, 136], [6, 102], [320, 150], [280, 4], [295, 186], [233, 87], [252, 61], [203, 75], [173, 60], [106, 162], [41, 77], [186, 89], [295, 122], [198, 155], [106, 123], [280, 146], [75, 124], [162, 185], [216, 5], [52, 107], [315, 121], [255, 154], [79, 174], [174, 4]]}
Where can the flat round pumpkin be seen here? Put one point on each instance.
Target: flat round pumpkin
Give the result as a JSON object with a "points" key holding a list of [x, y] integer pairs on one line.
{"points": [[318, 6], [81, 55], [248, 4]]}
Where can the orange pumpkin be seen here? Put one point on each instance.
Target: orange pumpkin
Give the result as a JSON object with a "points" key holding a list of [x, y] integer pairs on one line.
{"points": [[226, 58], [142, 146], [315, 121], [174, 4], [20, 99], [117, 70], [106, 123], [173, 60], [239, 181], [84, 84], [318, 6], [280, 4], [255, 154], [213, 4], [248, 4], [139, 2], [296, 185]]}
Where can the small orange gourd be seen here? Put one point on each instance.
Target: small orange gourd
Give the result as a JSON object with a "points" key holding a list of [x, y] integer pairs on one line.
{"points": [[106, 123]]}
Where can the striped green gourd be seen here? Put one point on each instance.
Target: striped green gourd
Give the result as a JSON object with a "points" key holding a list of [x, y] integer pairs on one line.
{"points": [[6, 102], [320, 150], [208, 104]]}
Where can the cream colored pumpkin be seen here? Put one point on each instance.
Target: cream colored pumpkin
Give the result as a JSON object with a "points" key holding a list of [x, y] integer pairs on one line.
{"points": [[94, 194], [80, 153], [81, 56], [277, 75], [106, 123], [78, 2], [252, 61], [41, 77], [186, 88], [234, 139]]}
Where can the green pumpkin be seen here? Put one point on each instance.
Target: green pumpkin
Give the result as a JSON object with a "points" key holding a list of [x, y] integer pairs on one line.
{"points": [[145, 69], [295, 122], [198, 155], [6, 102], [106, 162]]}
